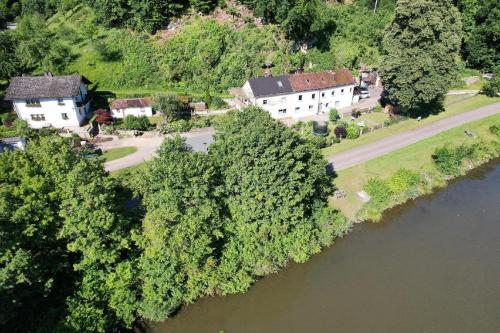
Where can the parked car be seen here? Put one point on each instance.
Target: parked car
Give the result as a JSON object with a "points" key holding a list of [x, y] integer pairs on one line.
{"points": [[364, 94]]}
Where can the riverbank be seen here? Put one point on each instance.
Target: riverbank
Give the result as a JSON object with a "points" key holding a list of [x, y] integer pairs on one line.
{"points": [[422, 176]]}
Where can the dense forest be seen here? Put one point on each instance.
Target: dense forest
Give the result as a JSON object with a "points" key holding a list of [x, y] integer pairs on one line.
{"points": [[81, 251], [131, 44]]}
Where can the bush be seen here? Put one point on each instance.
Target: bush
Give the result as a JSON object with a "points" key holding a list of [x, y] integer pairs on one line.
{"points": [[136, 123], [177, 126], [379, 192], [449, 161], [495, 130], [492, 87], [217, 103], [356, 113], [200, 122], [353, 131], [378, 108], [333, 115], [340, 132], [403, 181]]}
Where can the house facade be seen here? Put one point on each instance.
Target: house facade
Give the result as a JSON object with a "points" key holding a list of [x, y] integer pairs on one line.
{"points": [[300, 95], [50, 101], [120, 108]]}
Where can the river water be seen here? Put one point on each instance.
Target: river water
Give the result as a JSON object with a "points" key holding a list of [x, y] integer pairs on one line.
{"points": [[432, 265]]}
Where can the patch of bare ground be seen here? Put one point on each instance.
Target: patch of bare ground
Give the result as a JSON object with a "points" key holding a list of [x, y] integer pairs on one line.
{"points": [[234, 14]]}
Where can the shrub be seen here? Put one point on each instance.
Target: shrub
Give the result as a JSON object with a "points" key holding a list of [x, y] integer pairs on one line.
{"points": [[342, 123], [492, 87], [495, 130], [378, 108], [169, 105], [356, 113], [333, 115], [136, 123], [353, 131], [200, 122], [217, 103], [379, 191], [177, 126], [340, 132], [403, 181]]}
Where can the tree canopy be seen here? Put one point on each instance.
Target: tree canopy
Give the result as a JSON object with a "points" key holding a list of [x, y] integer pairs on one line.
{"points": [[421, 48]]}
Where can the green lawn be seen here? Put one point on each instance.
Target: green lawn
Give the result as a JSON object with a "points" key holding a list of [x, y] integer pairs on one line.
{"points": [[453, 107], [126, 172], [416, 157], [116, 153]]}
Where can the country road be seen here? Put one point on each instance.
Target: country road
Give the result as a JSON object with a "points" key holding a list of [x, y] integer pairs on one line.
{"points": [[147, 147], [375, 149]]}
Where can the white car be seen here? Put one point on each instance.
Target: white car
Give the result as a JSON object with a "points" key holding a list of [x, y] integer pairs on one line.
{"points": [[364, 94]]}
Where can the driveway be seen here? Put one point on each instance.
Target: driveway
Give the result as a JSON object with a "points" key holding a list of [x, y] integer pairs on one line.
{"points": [[147, 146], [370, 151]]}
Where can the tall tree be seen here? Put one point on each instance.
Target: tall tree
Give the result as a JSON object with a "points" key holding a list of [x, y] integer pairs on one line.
{"points": [[421, 46], [181, 194], [275, 184]]}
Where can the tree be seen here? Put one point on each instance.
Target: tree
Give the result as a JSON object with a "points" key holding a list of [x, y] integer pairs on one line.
{"points": [[204, 6], [169, 105], [103, 117], [421, 46], [333, 115], [492, 87], [140, 123], [275, 185], [482, 46], [180, 190], [8, 63]]}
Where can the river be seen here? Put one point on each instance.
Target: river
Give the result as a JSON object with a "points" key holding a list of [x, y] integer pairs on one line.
{"points": [[432, 265]]}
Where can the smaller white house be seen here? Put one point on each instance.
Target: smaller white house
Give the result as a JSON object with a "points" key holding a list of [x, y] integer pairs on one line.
{"points": [[50, 101], [120, 108]]}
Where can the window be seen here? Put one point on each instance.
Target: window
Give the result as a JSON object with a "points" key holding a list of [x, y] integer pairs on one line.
{"points": [[280, 84], [310, 107], [264, 101], [326, 105], [143, 110], [33, 102], [38, 117], [64, 116], [60, 101], [322, 94], [297, 109], [333, 92], [282, 111], [313, 96], [350, 89], [342, 92], [300, 97]]}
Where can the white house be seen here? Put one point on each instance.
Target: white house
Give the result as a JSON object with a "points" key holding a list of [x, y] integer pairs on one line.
{"points": [[120, 108], [300, 95], [50, 101]]}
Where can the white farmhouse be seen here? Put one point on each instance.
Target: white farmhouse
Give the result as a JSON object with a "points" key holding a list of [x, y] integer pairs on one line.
{"points": [[50, 101], [120, 108], [300, 95]]}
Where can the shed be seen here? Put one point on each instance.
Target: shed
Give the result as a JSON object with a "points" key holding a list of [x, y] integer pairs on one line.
{"points": [[120, 108]]}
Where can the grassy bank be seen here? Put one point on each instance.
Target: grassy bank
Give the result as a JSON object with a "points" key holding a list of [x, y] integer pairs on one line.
{"points": [[454, 106], [116, 153], [416, 158]]}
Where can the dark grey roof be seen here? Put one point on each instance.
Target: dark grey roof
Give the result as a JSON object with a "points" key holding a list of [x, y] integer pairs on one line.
{"points": [[23, 87], [269, 86], [9, 144]]}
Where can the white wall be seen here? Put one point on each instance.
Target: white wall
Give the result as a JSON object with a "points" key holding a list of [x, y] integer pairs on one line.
{"points": [[295, 107], [122, 113], [52, 110]]}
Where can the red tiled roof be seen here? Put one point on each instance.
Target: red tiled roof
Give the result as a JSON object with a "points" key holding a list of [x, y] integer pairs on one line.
{"points": [[130, 103], [321, 80]]}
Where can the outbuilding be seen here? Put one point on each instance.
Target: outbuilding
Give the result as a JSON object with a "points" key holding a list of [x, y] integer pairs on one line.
{"points": [[120, 108]]}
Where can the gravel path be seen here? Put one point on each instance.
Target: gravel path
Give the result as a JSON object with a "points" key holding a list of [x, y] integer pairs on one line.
{"points": [[370, 151]]}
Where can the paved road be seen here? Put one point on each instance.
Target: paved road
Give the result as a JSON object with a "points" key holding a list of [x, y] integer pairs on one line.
{"points": [[370, 151], [147, 147]]}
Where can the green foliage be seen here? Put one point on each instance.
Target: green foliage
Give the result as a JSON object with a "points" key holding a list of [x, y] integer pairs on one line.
{"points": [[37, 48], [403, 181], [8, 63], [333, 115], [379, 191], [482, 33], [169, 105], [421, 45], [176, 126], [180, 230], [131, 122], [353, 131], [450, 160], [492, 87]]}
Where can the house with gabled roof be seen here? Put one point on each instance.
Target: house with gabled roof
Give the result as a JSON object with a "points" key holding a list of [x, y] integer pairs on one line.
{"points": [[50, 101], [120, 108], [300, 95]]}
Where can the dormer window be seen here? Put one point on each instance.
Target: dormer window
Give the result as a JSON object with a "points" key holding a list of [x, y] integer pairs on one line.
{"points": [[300, 97], [33, 102], [342, 91], [313, 96], [280, 84], [322, 94], [60, 101], [264, 101]]}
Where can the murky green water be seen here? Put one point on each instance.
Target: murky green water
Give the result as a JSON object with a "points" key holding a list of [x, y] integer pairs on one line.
{"points": [[433, 265]]}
